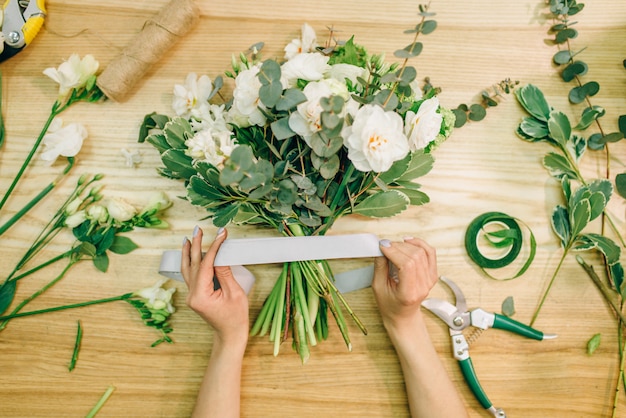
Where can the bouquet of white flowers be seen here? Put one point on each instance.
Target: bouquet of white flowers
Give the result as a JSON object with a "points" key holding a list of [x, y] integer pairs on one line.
{"points": [[330, 131]]}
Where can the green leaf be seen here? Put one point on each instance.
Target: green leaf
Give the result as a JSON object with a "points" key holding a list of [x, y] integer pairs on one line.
{"points": [[603, 186], [476, 113], [290, 99], [416, 198], [325, 146], [562, 57], [579, 94], [270, 94], [225, 214], [612, 137], [561, 225], [593, 343], [421, 163], [122, 245], [533, 100], [177, 131], [508, 306], [580, 216], [101, 262], [150, 121], [178, 163], [534, 128], [281, 129], [7, 293], [616, 272], [606, 246], [565, 34], [559, 127], [621, 122], [383, 204], [577, 68], [330, 167], [557, 165], [428, 26], [269, 72], [203, 194], [461, 117], [620, 184], [589, 115], [397, 170], [409, 51]]}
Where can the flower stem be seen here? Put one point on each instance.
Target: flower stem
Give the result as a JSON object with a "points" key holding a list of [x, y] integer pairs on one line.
{"points": [[101, 402], [14, 313], [545, 294], [64, 307], [53, 113], [40, 266]]}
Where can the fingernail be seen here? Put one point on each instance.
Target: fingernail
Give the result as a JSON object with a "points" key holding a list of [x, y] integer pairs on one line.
{"points": [[220, 232], [407, 238], [385, 243], [185, 241], [196, 230]]}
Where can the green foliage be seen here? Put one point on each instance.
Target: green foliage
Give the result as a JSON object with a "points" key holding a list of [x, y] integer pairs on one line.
{"points": [[508, 306], [476, 112], [7, 292], [594, 343]]}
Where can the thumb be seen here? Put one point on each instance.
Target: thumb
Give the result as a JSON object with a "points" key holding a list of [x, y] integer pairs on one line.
{"points": [[380, 271], [226, 278]]}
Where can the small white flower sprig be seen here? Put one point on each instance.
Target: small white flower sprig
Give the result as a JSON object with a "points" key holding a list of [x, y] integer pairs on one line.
{"points": [[96, 223], [154, 304], [77, 82]]}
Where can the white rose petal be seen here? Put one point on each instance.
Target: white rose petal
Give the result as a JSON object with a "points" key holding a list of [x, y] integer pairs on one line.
{"points": [[76, 219], [245, 109], [341, 72], [423, 127], [375, 140], [310, 67], [191, 95], [119, 209], [307, 43], [98, 213]]}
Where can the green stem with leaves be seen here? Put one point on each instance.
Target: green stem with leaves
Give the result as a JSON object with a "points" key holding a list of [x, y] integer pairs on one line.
{"points": [[545, 294]]}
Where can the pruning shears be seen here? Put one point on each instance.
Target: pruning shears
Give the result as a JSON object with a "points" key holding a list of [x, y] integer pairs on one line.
{"points": [[458, 318], [22, 20]]}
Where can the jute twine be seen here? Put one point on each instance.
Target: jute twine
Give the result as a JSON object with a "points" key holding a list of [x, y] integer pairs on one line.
{"points": [[158, 35]]}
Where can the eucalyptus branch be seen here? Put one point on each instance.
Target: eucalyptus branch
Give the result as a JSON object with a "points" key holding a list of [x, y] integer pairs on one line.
{"points": [[604, 289]]}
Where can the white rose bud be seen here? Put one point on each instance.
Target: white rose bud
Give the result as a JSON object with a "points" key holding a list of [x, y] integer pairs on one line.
{"points": [[120, 210], [73, 206], [98, 213], [159, 201], [76, 219]]}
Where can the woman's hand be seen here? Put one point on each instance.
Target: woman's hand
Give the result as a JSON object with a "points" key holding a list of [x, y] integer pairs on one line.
{"points": [[225, 309]]}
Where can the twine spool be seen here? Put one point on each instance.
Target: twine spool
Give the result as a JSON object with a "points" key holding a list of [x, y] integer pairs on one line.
{"points": [[155, 39]]}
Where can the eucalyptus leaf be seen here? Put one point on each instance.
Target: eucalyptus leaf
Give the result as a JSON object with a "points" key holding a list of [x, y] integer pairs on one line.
{"points": [[612, 137], [594, 142], [621, 122], [309, 219], [122, 245], [260, 192], [577, 68], [269, 72], [620, 184], [324, 146], [566, 34], [281, 129], [460, 117], [290, 99], [330, 167], [428, 26], [409, 51], [508, 306], [383, 204], [270, 94], [7, 293], [562, 57], [476, 113]]}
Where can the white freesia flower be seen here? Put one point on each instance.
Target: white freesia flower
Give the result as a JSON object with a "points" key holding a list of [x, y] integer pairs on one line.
{"points": [[73, 206], [310, 67], [307, 43], [119, 209], [62, 140], [245, 109], [423, 127], [192, 95], [306, 120], [213, 147], [342, 72], [211, 117], [156, 297], [375, 139], [98, 213], [75, 219], [73, 73]]}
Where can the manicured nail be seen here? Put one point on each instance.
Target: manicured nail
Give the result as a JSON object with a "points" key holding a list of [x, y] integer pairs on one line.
{"points": [[385, 243], [220, 232], [196, 230], [185, 240], [407, 238]]}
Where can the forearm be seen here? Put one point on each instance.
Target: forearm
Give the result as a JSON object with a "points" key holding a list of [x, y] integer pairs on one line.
{"points": [[430, 390], [220, 391]]}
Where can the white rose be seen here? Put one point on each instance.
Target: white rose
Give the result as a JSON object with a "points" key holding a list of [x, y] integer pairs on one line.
{"points": [[98, 213], [120, 210], [375, 140], [62, 140], [159, 201], [76, 219], [310, 67], [423, 127]]}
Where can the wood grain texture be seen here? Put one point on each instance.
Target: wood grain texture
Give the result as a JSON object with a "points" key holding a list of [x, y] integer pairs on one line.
{"points": [[482, 167]]}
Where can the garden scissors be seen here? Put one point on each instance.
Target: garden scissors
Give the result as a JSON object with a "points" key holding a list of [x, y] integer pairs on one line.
{"points": [[22, 21], [458, 318]]}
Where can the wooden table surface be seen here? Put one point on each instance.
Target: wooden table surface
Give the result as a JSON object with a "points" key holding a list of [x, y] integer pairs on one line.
{"points": [[483, 167]]}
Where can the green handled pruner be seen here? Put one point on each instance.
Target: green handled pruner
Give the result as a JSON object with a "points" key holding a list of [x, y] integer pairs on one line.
{"points": [[458, 318]]}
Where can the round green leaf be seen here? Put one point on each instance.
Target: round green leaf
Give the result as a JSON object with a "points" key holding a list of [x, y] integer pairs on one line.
{"points": [[620, 184], [477, 112], [428, 26], [269, 72], [577, 68], [562, 57]]}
